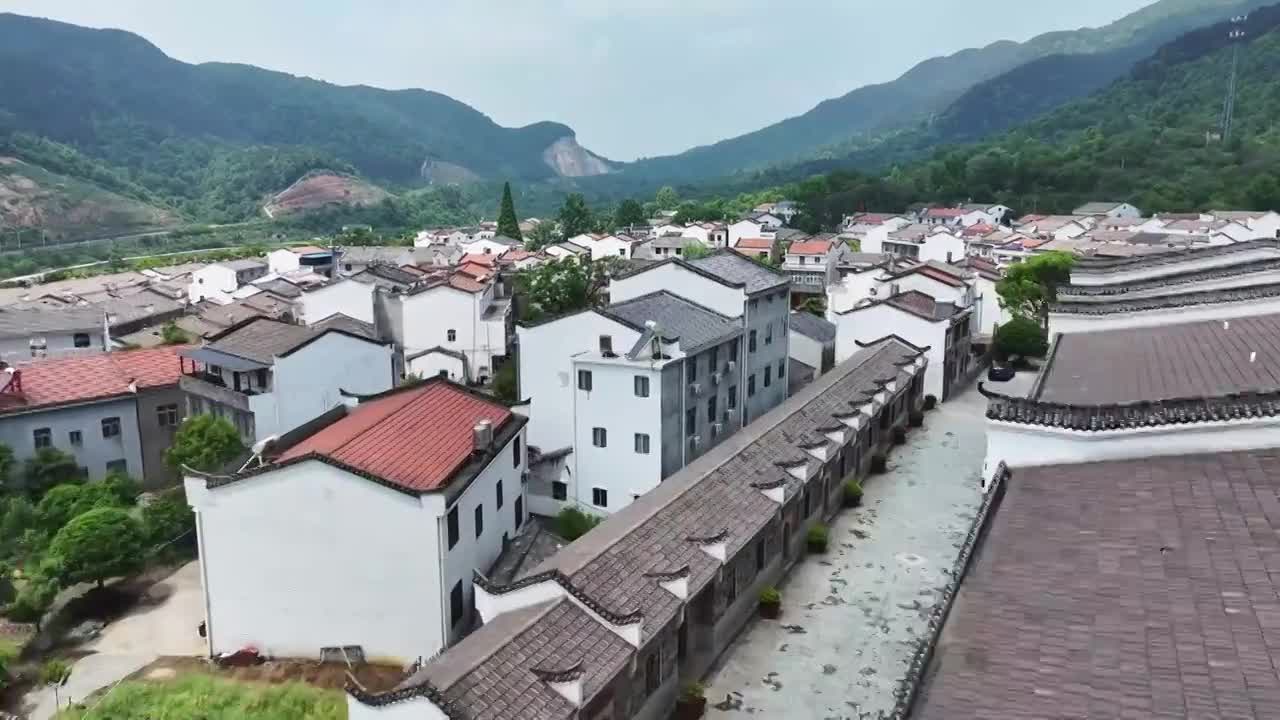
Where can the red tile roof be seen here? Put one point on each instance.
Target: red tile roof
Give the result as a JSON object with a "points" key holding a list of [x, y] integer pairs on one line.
{"points": [[416, 439], [979, 229], [946, 212], [754, 244], [479, 259], [943, 277], [810, 247], [83, 378]]}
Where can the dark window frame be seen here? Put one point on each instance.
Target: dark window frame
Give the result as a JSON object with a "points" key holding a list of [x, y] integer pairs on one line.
{"points": [[451, 523]]}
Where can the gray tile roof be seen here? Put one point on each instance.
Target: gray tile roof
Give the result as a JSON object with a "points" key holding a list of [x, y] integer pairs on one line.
{"points": [[739, 269], [24, 322], [1105, 265], [244, 264], [695, 326], [1198, 359], [1170, 281], [1143, 586], [261, 340], [346, 323], [812, 326], [1096, 208], [923, 305], [1160, 302]]}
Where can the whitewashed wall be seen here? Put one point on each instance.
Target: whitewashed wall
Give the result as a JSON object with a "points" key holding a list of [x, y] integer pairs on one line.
{"points": [[348, 297], [1074, 322], [307, 382], [878, 321], [612, 404], [681, 281]]}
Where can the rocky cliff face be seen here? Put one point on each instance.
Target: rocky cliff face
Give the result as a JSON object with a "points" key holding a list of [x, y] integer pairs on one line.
{"points": [[569, 159]]}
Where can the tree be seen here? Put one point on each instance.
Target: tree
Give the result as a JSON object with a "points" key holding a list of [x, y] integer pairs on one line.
{"points": [[542, 235], [168, 517], [102, 543], [6, 466], [666, 199], [1030, 287], [48, 468], [693, 250], [204, 443], [36, 594], [572, 523], [508, 224], [1021, 336], [504, 383], [630, 212], [562, 286], [171, 334], [575, 217], [64, 502]]}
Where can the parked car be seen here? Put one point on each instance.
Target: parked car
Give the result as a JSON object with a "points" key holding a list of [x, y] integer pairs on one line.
{"points": [[1001, 374]]}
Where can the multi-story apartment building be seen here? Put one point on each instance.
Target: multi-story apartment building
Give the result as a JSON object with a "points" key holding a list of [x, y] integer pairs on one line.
{"points": [[269, 377]]}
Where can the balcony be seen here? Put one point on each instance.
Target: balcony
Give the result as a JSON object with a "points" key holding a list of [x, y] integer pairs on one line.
{"points": [[212, 387]]}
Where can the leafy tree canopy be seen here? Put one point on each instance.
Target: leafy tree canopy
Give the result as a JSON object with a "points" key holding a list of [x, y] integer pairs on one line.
{"points": [[575, 217], [205, 443], [666, 198], [562, 286], [48, 468], [629, 212], [102, 543], [1030, 287], [1021, 336], [508, 223], [542, 235]]}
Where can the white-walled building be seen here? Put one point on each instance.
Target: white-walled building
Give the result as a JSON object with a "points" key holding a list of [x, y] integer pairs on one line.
{"points": [[268, 377], [918, 242], [941, 327], [352, 297], [219, 280], [813, 342], [1108, 209], [567, 249], [456, 313], [495, 245], [986, 276], [607, 246], [947, 283], [750, 228], [362, 534]]}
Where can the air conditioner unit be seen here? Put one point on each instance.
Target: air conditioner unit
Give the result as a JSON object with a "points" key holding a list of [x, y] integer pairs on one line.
{"points": [[696, 389], [715, 378], [717, 428], [731, 366], [695, 440]]}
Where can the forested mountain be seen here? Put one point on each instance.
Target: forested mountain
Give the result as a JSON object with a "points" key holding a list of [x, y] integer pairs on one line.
{"points": [[1150, 138], [933, 86], [214, 139]]}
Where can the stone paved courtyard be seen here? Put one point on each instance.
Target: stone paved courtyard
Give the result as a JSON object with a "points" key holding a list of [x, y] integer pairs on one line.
{"points": [[851, 618]]}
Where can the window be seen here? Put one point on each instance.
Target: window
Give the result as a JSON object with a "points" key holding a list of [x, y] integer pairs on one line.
{"points": [[167, 415], [453, 527], [515, 456], [599, 497], [802, 259], [81, 340], [498, 494], [711, 409], [693, 369], [623, 252], [451, 335], [768, 376], [455, 604], [751, 385], [75, 438], [753, 304], [759, 554], [782, 369], [584, 380], [733, 351], [652, 672], [479, 520], [642, 444], [690, 421], [751, 341], [599, 437], [733, 397], [642, 386], [768, 334], [118, 467], [519, 512], [43, 437], [559, 491], [730, 584], [110, 427], [712, 361]]}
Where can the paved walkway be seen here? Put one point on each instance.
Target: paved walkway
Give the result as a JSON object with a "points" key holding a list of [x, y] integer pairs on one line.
{"points": [[850, 619], [129, 644]]}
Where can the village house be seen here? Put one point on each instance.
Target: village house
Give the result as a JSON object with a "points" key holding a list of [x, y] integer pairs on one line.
{"points": [[113, 412], [750, 228], [920, 243], [607, 246], [948, 283], [986, 275], [566, 249], [496, 245], [428, 479], [811, 263], [758, 248], [1108, 209], [1054, 226], [613, 624], [284, 261], [268, 377], [812, 346], [37, 332], [951, 217], [219, 280]]}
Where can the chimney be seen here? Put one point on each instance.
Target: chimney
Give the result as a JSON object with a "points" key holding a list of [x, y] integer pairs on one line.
{"points": [[483, 435]]}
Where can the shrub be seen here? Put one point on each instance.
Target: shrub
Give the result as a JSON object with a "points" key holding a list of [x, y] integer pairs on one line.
{"points": [[54, 672], [878, 464], [899, 436], [817, 538], [693, 691], [770, 596], [573, 523], [916, 418], [168, 517], [852, 493], [1021, 336], [930, 402]]}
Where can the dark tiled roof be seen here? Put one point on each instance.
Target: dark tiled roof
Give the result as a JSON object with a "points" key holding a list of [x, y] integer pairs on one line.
{"points": [[1128, 416], [1104, 265], [738, 268], [1145, 588], [1170, 281], [1198, 359], [262, 340], [695, 326], [348, 324], [24, 322], [1162, 302], [924, 305], [1096, 208], [812, 326]]}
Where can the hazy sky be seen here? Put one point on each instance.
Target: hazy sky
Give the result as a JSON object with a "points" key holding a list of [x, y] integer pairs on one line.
{"points": [[633, 77]]}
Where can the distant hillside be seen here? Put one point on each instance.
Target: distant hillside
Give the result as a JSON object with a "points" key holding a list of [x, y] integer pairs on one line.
{"points": [[68, 208], [214, 138], [323, 189], [932, 86]]}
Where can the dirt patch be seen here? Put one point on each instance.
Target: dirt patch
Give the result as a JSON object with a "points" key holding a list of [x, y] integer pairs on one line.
{"points": [[319, 189], [332, 676]]}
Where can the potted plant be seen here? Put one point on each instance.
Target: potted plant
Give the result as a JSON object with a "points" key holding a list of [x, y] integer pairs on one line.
{"points": [[899, 436], [916, 418], [878, 463], [930, 402], [770, 603], [817, 539], [692, 703], [852, 493]]}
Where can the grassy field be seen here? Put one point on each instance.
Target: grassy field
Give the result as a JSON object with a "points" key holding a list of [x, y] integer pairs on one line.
{"points": [[209, 698]]}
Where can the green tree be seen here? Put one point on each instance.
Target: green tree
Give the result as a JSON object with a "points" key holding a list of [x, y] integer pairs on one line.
{"points": [[629, 212], [1021, 336], [1030, 287], [17, 518], [37, 593], [103, 543], [49, 467], [205, 443], [6, 467], [562, 286], [572, 523], [693, 250], [64, 502], [171, 334], [168, 517], [504, 383], [575, 217], [508, 224], [542, 235], [666, 198]]}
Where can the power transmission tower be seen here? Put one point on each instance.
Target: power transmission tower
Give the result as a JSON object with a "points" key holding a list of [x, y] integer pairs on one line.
{"points": [[1229, 105]]}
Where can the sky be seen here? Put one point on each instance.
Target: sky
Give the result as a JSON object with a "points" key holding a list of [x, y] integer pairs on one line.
{"points": [[633, 77]]}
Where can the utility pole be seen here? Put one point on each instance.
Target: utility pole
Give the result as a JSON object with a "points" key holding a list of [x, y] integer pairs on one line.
{"points": [[1229, 105]]}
